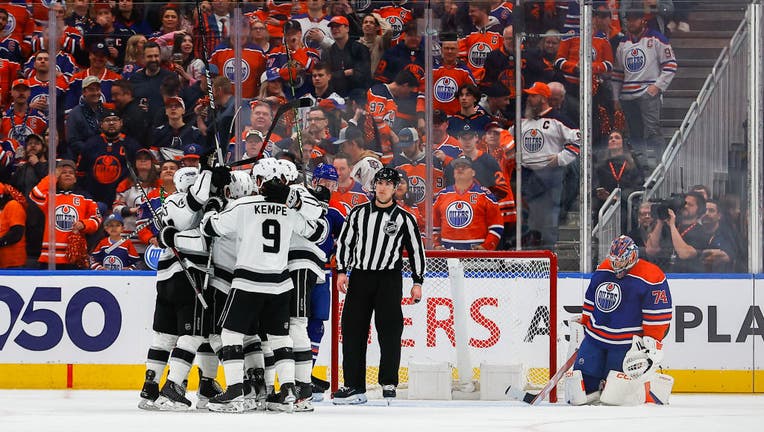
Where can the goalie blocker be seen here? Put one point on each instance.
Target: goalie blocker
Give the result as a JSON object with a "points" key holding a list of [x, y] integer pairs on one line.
{"points": [[626, 313]]}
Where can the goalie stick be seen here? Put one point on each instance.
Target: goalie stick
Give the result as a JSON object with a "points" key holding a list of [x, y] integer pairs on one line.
{"points": [[536, 399], [299, 103]]}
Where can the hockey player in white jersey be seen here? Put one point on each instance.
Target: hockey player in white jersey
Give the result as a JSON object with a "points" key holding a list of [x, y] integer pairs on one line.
{"points": [[306, 262], [260, 289]]}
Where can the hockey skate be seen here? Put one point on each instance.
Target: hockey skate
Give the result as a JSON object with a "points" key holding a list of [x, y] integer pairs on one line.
{"points": [[149, 393], [261, 390], [173, 398], [388, 392], [284, 400], [232, 400], [304, 397], [349, 396], [319, 387], [250, 397], [208, 388]]}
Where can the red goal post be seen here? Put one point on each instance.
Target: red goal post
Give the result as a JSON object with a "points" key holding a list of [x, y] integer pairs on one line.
{"points": [[478, 307]]}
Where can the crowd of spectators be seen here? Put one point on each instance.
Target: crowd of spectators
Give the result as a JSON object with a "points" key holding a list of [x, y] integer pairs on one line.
{"points": [[133, 83]]}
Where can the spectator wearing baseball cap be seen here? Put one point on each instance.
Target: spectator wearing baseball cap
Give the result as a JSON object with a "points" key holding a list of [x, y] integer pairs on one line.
{"points": [[192, 154], [348, 60], [20, 119], [496, 102], [172, 136], [98, 57], [412, 160], [122, 257]]}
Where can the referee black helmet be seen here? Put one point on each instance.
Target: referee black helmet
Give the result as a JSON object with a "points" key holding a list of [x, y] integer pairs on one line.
{"points": [[388, 174]]}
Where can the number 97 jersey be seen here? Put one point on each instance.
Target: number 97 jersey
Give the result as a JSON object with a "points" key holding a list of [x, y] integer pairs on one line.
{"points": [[262, 230]]}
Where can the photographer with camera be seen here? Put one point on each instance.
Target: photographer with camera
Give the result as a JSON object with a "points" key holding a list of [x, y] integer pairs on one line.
{"points": [[682, 215], [647, 225]]}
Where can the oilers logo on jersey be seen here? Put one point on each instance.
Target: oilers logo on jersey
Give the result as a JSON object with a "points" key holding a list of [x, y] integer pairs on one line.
{"points": [[478, 53], [607, 296], [66, 217], [229, 68], [445, 89], [533, 140], [459, 214], [635, 60], [151, 256], [113, 263], [396, 23], [417, 188]]}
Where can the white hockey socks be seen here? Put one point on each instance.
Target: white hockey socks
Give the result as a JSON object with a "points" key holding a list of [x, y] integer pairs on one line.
{"points": [[253, 353], [232, 355], [303, 356], [283, 357], [182, 357], [159, 353], [207, 361]]}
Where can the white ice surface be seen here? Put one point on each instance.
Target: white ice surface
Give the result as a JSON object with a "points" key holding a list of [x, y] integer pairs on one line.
{"points": [[116, 411]]}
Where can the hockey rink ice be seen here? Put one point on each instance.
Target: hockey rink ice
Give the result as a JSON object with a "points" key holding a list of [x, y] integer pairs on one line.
{"points": [[116, 411]]}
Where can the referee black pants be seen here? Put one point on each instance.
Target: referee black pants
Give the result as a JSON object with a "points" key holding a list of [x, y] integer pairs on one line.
{"points": [[377, 291]]}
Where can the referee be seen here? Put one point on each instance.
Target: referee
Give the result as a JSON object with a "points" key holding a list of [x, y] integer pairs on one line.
{"points": [[370, 245]]}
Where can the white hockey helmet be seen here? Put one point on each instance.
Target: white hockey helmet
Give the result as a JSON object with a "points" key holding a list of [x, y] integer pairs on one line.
{"points": [[263, 171], [241, 185], [288, 170], [184, 178]]}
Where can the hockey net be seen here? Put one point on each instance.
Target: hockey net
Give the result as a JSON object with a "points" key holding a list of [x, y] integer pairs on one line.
{"points": [[477, 307]]}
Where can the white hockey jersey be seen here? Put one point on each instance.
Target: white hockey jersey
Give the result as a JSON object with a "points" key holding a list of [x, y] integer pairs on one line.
{"points": [[263, 231], [549, 134], [364, 170], [305, 253], [641, 61], [176, 212]]}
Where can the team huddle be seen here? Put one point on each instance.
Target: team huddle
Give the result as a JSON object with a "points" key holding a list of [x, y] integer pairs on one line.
{"points": [[258, 242]]}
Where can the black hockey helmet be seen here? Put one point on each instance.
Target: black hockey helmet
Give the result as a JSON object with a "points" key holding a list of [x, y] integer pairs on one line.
{"points": [[388, 174]]}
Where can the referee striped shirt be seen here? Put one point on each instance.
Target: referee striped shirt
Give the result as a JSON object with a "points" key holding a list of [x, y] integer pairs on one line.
{"points": [[372, 238]]}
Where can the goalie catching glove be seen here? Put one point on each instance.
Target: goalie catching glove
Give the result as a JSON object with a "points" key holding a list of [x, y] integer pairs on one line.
{"points": [[644, 357], [277, 192]]}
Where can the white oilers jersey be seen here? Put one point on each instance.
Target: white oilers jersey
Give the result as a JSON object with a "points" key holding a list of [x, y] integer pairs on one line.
{"points": [[263, 231], [648, 60], [175, 211], [550, 134], [364, 170]]}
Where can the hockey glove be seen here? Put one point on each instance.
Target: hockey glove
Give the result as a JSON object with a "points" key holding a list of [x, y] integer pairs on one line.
{"points": [[166, 237], [214, 204], [322, 193], [221, 176], [275, 191], [644, 358]]}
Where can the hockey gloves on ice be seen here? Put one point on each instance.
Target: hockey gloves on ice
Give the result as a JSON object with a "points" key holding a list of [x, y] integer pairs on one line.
{"points": [[166, 237], [221, 176]]}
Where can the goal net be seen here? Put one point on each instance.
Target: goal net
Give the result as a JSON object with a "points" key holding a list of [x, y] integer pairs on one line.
{"points": [[477, 308]]}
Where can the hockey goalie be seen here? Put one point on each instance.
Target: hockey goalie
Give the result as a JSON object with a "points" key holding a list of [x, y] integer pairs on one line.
{"points": [[627, 312]]}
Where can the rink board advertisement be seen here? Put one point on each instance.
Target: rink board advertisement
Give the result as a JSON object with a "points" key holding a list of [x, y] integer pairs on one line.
{"points": [[67, 324]]}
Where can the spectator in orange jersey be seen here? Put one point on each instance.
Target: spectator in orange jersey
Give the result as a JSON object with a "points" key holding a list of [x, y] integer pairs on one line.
{"points": [[349, 192], [75, 214], [466, 215], [449, 76], [487, 170], [501, 145], [483, 39], [412, 161], [13, 217], [407, 201]]}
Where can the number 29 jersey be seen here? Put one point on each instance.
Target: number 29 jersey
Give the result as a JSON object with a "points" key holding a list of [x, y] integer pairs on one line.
{"points": [[262, 230]]}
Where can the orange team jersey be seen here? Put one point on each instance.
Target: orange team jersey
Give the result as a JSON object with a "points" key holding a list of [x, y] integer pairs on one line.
{"points": [[414, 210], [383, 111], [465, 219], [417, 174], [19, 125], [351, 196], [20, 25], [567, 56], [40, 11], [505, 155], [474, 48], [282, 11], [397, 17], [9, 72], [446, 82], [71, 208], [13, 214], [253, 65]]}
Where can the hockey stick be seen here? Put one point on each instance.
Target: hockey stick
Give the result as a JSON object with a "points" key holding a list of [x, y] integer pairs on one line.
{"points": [[299, 103], [210, 94], [552, 383], [294, 94], [119, 242], [155, 218]]}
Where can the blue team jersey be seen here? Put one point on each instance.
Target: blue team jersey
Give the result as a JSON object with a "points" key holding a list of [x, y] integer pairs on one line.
{"points": [[639, 304]]}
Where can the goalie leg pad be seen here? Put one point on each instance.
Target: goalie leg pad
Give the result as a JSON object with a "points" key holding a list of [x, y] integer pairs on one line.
{"points": [[660, 389], [575, 389], [576, 335], [621, 390]]}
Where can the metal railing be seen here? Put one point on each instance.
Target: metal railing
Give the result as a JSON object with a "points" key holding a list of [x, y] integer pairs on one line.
{"points": [[698, 150], [609, 223]]}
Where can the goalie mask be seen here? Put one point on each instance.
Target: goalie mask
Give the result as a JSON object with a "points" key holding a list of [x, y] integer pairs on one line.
{"points": [[624, 254], [184, 178], [241, 185]]}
